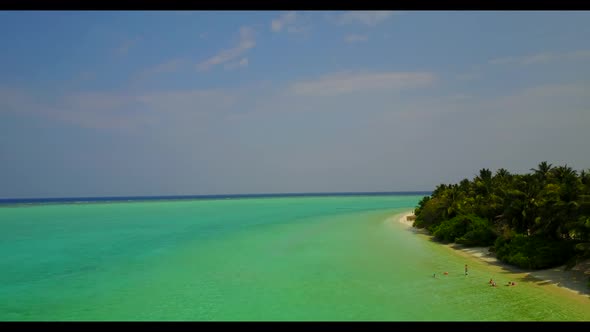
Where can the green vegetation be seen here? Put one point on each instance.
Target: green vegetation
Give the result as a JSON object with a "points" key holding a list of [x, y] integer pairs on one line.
{"points": [[536, 220]]}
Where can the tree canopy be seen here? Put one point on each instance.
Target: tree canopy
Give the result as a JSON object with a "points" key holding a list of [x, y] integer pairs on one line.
{"points": [[535, 220]]}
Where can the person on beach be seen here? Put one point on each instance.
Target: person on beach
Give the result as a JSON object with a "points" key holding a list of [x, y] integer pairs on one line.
{"points": [[466, 270], [434, 275]]}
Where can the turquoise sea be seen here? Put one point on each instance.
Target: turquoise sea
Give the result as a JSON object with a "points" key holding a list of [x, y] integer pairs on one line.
{"points": [[270, 258]]}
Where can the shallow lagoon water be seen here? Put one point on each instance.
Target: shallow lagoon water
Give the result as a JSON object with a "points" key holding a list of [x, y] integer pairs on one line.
{"points": [[277, 258]]}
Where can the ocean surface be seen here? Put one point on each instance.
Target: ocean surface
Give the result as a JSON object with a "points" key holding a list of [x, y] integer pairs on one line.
{"points": [[320, 257]]}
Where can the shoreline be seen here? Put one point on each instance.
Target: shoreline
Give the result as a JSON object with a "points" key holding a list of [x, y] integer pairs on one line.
{"points": [[574, 280]]}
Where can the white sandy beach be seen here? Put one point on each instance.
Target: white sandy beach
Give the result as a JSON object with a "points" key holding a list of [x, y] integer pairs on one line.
{"points": [[574, 280]]}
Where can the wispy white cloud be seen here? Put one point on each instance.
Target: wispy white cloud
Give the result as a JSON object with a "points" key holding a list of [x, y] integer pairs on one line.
{"points": [[169, 66], [122, 111], [236, 64], [368, 18], [348, 82], [355, 38], [543, 97], [136, 110], [542, 58], [245, 43], [277, 24], [87, 110], [166, 67], [291, 22]]}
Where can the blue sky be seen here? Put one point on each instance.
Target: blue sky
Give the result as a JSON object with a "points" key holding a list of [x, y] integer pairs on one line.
{"points": [[172, 103]]}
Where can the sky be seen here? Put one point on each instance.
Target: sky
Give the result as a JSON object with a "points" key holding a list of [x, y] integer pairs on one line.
{"points": [[127, 103]]}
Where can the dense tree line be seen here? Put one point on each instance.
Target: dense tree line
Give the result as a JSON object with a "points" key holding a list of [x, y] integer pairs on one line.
{"points": [[536, 220]]}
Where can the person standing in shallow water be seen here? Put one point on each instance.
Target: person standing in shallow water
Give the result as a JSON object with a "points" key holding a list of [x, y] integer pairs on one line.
{"points": [[466, 270]]}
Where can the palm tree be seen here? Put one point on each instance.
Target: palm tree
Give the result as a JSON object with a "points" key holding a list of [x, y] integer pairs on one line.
{"points": [[453, 196], [502, 173], [547, 208], [483, 182], [542, 170], [569, 182], [485, 174]]}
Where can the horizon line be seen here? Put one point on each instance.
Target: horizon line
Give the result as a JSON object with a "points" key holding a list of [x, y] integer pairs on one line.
{"points": [[135, 197]]}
